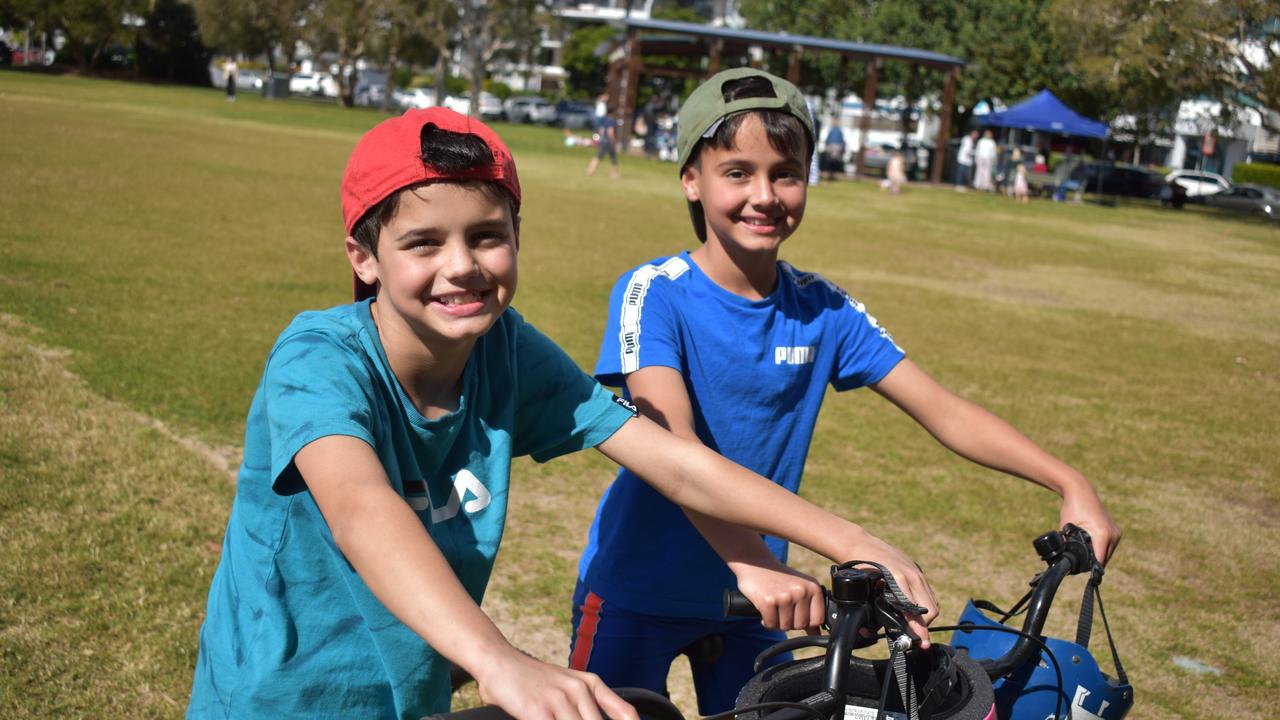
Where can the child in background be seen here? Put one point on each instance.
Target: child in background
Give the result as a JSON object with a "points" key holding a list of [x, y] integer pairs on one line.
{"points": [[373, 492], [734, 348]]}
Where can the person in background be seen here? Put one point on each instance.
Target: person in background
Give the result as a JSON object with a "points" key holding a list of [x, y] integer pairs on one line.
{"points": [[985, 161], [607, 131], [832, 161], [230, 70], [895, 173], [964, 161]]}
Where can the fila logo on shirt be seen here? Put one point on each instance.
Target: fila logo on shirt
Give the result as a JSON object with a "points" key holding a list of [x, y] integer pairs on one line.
{"points": [[798, 355], [464, 482]]}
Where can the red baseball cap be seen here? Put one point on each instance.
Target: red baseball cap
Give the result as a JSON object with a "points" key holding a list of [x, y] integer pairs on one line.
{"points": [[389, 158]]}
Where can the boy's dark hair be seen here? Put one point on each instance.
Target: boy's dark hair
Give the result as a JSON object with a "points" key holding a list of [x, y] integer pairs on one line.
{"points": [[446, 152], [785, 132]]}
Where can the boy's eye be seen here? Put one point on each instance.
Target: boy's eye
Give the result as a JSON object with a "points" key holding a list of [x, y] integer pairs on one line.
{"points": [[490, 239]]}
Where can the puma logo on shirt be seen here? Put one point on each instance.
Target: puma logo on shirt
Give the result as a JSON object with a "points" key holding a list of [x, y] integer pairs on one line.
{"points": [[801, 355]]}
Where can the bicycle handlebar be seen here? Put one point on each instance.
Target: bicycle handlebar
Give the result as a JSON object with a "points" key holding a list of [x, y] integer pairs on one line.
{"points": [[1067, 552]]}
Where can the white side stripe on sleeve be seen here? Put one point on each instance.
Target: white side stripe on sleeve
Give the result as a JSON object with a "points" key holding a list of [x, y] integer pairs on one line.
{"points": [[804, 279], [633, 304]]}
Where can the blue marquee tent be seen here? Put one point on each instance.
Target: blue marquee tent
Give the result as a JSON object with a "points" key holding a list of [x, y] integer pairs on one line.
{"points": [[1046, 113]]}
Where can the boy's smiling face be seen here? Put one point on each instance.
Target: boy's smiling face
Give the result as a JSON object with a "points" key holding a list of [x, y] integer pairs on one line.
{"points": [[752, 195], [446, 263]]}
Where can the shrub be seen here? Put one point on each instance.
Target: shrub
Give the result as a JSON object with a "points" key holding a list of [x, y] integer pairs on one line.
{"points": [[1256, 173]]}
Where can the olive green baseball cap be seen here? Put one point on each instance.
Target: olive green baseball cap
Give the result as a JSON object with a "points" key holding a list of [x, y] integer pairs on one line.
{"points": [[706, 107]]}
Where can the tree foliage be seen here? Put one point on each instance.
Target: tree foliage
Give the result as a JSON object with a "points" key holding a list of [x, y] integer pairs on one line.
{"points": [[586, 60], [1105, 57], [252, 27], [169, 44]]}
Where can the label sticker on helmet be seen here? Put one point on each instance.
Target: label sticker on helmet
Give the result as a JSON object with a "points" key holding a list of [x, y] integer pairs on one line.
{"points": [[857, 712]]}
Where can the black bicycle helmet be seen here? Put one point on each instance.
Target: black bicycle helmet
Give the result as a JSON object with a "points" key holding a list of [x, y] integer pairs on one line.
{"points": [[948, 685]]}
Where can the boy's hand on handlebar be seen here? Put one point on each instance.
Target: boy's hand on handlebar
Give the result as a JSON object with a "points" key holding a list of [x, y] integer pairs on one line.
{"points": [[529, 689], [910, 579], [1085, 511], [787, 599]]}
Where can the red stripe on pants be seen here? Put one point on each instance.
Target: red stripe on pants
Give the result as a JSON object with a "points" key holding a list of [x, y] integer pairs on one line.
{"points": [[586, 631]]}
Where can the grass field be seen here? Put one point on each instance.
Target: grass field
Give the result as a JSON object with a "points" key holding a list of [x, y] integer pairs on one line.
{"points": [[153, 241]]}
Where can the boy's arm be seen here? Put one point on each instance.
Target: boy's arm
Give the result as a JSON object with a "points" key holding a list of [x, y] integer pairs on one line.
{"points": [[787, 599], [694, 477], [976, 434], [415, 582]]}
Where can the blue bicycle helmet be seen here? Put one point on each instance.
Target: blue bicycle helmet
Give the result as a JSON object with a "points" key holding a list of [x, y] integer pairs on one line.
{"points": [[1030, 692]]}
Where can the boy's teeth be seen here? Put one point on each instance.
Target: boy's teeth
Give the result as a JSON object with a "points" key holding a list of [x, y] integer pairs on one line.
{"points": [[459, 298]]}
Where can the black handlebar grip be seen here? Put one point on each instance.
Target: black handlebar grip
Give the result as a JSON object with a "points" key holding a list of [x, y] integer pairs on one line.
{"points": [[737, 605]]}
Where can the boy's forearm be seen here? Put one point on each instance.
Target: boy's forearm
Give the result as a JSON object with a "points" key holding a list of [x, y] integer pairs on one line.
{"points": [[733, 543], [696, 478]]}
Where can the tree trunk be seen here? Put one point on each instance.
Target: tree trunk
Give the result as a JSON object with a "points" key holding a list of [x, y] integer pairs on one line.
{"points": [[441, 85]]}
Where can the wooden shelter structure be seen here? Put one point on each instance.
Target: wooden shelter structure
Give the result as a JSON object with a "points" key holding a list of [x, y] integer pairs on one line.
{"points": [[645, 38]]}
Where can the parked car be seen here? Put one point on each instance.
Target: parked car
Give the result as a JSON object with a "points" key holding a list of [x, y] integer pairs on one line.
{"points": [[249, 80], [529, 110], [369, 93], [1199, 183], [575, 115], [6, 55], [1250, 199], [490, 105], [1124, 180], [315, 84], [420, 98], [877, 158]]}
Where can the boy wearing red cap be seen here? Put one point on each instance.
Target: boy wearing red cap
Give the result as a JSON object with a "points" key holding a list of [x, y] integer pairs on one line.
{"points": [[373, 492]]}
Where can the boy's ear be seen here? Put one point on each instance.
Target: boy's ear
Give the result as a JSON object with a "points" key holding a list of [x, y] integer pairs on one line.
{"points": [[689, 181], [363, 262], [515, 225]]}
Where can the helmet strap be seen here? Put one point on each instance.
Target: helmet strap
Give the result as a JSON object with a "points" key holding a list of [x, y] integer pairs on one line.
{"points": [[1085, 627]]}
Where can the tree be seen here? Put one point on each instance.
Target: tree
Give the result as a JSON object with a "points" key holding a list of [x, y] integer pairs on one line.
{"points": [[413, 30], [91, 26], [486, 27], [251, 26], [1249, 36], [169, 44], [342, 27], [1141, 59]]}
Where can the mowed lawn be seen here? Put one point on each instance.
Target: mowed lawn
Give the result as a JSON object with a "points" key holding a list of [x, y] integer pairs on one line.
{"points": [[153, 242]]}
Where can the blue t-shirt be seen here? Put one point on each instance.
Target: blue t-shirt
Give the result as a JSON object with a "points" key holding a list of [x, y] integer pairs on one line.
{"points": [[756, 372], [291, 629]]}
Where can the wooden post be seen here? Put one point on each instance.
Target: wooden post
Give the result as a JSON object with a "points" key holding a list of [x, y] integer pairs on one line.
{"points": [[868, 107], [944, 126], [713, 61], [629, 89], [793, 66]]}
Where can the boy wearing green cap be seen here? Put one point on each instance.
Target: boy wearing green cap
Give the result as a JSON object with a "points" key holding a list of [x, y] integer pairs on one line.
{"points": [[734, 348]]}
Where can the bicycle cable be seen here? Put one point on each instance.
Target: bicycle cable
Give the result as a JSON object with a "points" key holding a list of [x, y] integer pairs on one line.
{"points": [[771, 705]]}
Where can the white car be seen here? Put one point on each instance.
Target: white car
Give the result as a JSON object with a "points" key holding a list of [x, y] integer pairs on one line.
{"points": [[420, 98], [315, 84], [530, 110], [1198, 183], [490, 105]]}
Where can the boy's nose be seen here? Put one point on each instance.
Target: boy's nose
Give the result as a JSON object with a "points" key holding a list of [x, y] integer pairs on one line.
{"points": [[461, 262], [762, 192]]}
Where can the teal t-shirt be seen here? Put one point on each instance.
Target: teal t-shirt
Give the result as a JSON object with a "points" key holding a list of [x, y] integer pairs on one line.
{"points": [[291, 629]]}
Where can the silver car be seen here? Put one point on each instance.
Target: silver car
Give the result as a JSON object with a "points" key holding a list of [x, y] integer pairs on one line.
{"points": [[1257, 200]]}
